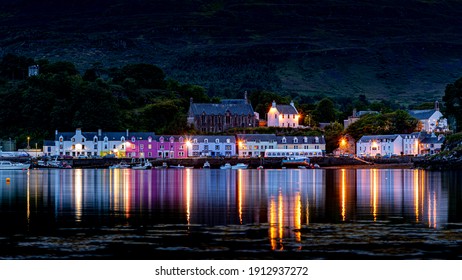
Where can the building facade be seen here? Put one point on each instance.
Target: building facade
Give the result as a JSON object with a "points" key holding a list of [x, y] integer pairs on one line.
{"points": [[301, 142], [211, 146], [254, 145], [431, 120], [283, 115], [216, 118], [92, 143], [376, 145]]}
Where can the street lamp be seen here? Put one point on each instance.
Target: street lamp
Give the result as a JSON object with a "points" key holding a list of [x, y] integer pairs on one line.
{"points": [[28, 139]]}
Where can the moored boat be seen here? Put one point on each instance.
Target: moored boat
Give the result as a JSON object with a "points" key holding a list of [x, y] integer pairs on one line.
{"points": [[296, 162], [240, 166], [163, 166], [8, 165], [226, 166], [206, 165]]}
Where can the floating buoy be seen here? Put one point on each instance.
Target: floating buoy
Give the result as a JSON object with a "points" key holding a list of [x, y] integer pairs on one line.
{"points": [[7, 180]]}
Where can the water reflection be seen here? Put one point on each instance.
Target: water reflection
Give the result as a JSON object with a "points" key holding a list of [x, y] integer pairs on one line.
{"points": [[283, 200]]}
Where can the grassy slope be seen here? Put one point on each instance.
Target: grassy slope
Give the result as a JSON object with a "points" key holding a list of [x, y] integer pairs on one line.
{"points": [[384, 49]]}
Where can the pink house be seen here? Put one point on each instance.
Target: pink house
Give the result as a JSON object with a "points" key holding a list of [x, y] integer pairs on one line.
{"points": [[171, 147], [156, 147]]}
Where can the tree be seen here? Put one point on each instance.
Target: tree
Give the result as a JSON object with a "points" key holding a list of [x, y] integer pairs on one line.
{"points": [[325, 111], [453, 104], [333, 133], [145, 75]]}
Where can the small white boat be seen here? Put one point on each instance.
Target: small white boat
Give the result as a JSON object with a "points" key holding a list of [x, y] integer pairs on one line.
{"points": [[177, 166], [8, 165], [206, 165], [121, 165], [142, 165], [226, 166], [239, 166]]}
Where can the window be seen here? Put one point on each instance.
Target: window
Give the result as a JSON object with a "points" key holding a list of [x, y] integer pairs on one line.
{"points": [[206, 147], [161, 147], [217, 147], [228, 147], [95, 139], [228, 141], [195, 141], [61, 146], [195, 147], [295, 140], [61, 139], [141, 146], [73, 147], [123, 147], [105, 146], [83, 139], [284, 140], [149, 154], [182, 147], [114, 146], [95, 147], [149, 146], [206, 141], [149, 140], [217, 140], [73, 139]]}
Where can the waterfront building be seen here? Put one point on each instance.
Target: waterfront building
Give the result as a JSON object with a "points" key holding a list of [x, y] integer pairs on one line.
{"points": [[301, 142], [431, 144], [283, 115], [374, 145], [431, 120], [92, 143], [254, 145], [219, 117], [211, 146], [171, 146]]}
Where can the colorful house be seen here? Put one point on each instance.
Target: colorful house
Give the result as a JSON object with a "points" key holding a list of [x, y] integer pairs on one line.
{"points": [[211, 146], [254, 145]]}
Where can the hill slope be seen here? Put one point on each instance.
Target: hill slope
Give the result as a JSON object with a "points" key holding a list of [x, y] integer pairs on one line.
{"points": [[384, 49]]}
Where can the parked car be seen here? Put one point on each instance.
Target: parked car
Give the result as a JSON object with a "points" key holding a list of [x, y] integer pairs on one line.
{"points": [[82, 157], [66, 157], [109, 156]]}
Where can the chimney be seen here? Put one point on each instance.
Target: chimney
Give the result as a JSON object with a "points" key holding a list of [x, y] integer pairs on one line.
{"points": [[292, 103], [273, 104], [245, 96], [437, 105], [127, 132], [100, 132]]}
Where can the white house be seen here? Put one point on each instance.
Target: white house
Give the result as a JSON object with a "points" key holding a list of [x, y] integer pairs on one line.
{"points": [[91, 143], [301, 142], [411, 143], [432, 120], [283, 115], [379, 145], [254, 145], [211, 146]]}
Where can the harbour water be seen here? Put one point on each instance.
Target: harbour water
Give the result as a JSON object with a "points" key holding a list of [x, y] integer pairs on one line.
{"points": [[230, 214]]}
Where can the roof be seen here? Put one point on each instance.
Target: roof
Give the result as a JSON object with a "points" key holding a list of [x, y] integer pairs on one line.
{"points": [[301, 140], [48, 143], [211, 138], [432, 140], [422, 114], [286, 109], [367, 138], [362, 113], [67, 136], [257, 137], [221, 109]]}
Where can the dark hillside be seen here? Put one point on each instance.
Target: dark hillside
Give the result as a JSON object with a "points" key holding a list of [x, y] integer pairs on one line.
{"points": [[383, 49]]}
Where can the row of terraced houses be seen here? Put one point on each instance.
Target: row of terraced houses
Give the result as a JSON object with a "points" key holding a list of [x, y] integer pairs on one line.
{"points": [[149, 145]]}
